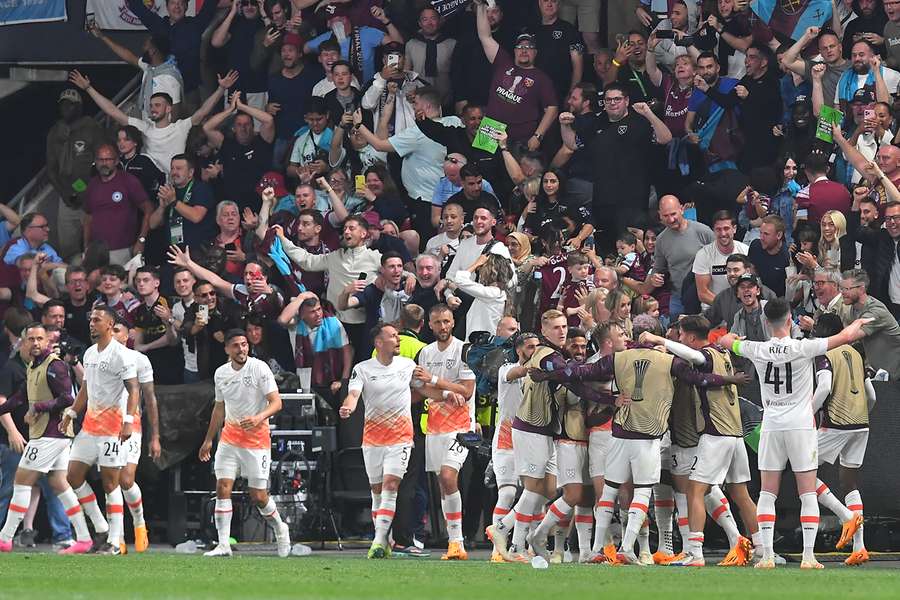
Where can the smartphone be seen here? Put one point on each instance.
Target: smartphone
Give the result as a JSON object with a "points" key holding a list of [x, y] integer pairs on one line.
{"points": [[869, 113], [361, 277], [204, 311], [393, 60], [360, 181], [665, 34]]}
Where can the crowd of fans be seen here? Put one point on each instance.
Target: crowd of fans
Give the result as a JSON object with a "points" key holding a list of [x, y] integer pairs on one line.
{"points": [[337, 172]]}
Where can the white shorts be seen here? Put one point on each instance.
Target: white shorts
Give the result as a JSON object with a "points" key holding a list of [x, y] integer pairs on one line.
{"points": [[102, 450], [253, 464], [133, 448], [386, 460], [633, 460], [683, 460], [799, 446], [504, 462], [665, 454], [442, 449], [598, 449], [534, 453], [849, 445], [572, 458], [45, 454], [721, 459]]}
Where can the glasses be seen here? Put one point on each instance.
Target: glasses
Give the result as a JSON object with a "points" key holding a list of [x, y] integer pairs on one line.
{"points": [[847, 289], [614, 100], [453, 160], [525, 47], [892, 218], [44, 226], [206, 294]]}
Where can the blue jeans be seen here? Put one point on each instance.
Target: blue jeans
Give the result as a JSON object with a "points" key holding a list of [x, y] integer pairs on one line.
{"points": [[56, 514], [190, 377], [676, 307]]}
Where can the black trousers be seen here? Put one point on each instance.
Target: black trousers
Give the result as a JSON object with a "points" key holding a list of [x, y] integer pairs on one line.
{"points": [[404, 526]]}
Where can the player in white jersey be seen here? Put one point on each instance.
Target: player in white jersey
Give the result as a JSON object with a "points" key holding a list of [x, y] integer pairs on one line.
{"points": [[246, 396], [383, 382], [785, 369], [47, 391], [108, 397], [131, 492], [445, 378], [509, 397]]}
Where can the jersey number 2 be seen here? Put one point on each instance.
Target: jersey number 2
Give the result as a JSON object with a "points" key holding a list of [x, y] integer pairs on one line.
{"points": [[773, 378]]}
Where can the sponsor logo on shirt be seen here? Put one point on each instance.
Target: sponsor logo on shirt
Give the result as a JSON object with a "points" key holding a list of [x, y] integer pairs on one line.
{"points": [[623, 129], [557, 34]]}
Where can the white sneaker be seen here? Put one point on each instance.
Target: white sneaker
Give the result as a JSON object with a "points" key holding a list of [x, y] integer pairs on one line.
{"points": [[538, 545], [220, 550], [282, 540]]}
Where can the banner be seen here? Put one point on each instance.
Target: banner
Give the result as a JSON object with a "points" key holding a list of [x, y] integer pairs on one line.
{"points": [[114, 14], [13, 12], [448, 7], [791, 18]]}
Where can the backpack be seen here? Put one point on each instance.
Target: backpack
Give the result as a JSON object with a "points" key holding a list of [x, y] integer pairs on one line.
{"points": [[485, 354]]}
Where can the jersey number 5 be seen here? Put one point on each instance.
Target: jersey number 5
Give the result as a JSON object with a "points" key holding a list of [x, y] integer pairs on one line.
{"points": [[773, 378]]}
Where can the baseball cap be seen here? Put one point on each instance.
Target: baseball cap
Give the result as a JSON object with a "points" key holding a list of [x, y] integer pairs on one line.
{"points": [[70, 94], [750, 277], [863, 95], [292, 39], [526, 37]]}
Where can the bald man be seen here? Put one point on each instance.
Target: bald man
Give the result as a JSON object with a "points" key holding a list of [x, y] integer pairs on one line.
{"points": [[676, 248]]}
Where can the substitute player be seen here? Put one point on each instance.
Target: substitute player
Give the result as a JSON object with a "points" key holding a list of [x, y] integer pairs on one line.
{"points": [[844, 430], [109, 395], [130, 489], [445, 378], [720, 453], [246, 396], [383, 382], [48, 391], [785, 368], [509, 397]]}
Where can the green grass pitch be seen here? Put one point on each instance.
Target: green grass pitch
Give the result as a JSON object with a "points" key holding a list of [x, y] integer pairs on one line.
{"points": [[321, 577]]}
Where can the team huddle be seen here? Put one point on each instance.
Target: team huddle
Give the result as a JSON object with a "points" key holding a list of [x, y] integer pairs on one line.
{"points": [[659, 417]]}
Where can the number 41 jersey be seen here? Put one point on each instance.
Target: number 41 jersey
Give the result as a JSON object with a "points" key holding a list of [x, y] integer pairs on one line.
{"points": [[785, 368]]}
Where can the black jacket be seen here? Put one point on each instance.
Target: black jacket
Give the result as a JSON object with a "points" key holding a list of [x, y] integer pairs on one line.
{"points": [[883, 252]]}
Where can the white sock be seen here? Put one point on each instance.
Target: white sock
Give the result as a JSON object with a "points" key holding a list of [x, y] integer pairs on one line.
{"points": [[757, 543], [223, 521], [560, 535], [663, 508], [681, 505], [452, 507], [603, 513], [135, 504], [557, 513], [270, 513], [88, 501], [506, 497], [637, 514], [70, 504], [830, 501], [115, 514], [809, 522], [18, 506], [584, 528], [643, 537], [854, 503], [376, 502], [718, 508], [525, 507], [385, 516], [695, 544], [765, 516]]}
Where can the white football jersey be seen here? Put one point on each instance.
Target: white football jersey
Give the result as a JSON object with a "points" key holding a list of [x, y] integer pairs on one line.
{"points": [[785, 368]]}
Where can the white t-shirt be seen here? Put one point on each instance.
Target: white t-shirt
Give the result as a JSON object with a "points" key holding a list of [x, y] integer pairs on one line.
{"points": [[161, 83], [387, 400], [441, 239], [785, 368], [162, 143], [144, 376], [445, 417], [423, 159], [509, 398], [711, 261], [105, 373], [468, 251], [244, 393], [190, 358], [326, 85]]}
